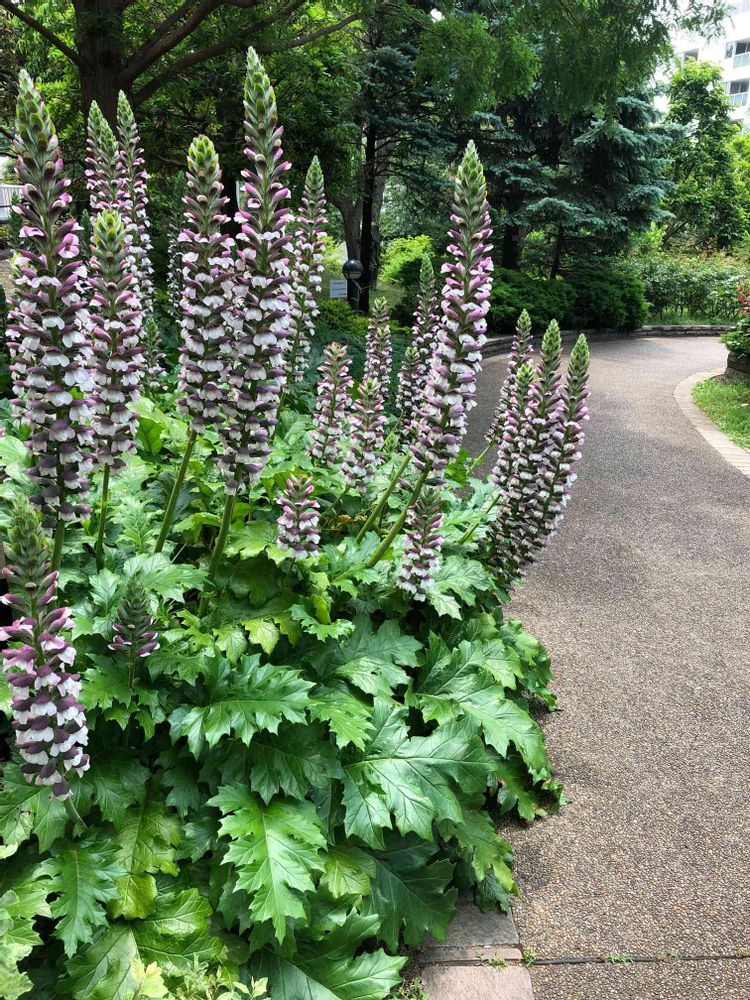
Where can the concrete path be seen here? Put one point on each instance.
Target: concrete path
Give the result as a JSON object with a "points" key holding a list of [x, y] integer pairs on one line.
{"points": [[644, 601]]}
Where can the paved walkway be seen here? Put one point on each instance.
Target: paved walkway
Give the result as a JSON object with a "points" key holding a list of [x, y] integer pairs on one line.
{"points": [[644, 601]]}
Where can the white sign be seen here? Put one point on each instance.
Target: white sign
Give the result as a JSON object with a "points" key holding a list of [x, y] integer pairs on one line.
{"points": [[337, 288]]}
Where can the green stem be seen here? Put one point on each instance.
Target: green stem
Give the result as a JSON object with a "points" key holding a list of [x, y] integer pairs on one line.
{"points": [[102, 520], [375, 512], [480, 457], [495, 501], [73, 813], [58, 545], [172, 502], [221, 540], [399, 523], [131, 669]]}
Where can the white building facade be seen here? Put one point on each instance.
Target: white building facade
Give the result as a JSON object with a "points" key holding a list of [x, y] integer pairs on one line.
{"points": [[730, 49]]}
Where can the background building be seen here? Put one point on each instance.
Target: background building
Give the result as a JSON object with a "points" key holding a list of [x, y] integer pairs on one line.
{"points": [[730, 49]]}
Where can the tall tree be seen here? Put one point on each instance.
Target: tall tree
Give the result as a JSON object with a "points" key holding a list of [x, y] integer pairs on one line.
{"points": [[138, 47], [706, 200]]}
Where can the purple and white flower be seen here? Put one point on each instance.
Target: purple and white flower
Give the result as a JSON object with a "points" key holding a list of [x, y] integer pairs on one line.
{"points": [[257, 374], [299, 531], [332, 406], [423, 544], [378, 347], [366, 441], [133, 628], [133, 182], [520, 353], [48, 720], [307, 272]]}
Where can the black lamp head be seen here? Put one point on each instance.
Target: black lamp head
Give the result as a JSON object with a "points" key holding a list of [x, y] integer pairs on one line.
{"points": [[352, 270]]}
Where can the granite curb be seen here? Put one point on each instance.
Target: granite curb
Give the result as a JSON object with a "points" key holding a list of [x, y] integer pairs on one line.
{"points": [[737, 457]]}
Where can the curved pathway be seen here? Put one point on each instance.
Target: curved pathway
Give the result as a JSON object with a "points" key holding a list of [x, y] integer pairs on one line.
{"points": [[643, 599]]}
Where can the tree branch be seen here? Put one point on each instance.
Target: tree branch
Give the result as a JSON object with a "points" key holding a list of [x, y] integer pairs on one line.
{"points": [[236, 41], [42, 30]]}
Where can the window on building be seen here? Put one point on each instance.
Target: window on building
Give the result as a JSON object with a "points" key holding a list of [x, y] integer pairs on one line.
{"points": [[691, 55], [741, 54], [742, 7], [738, 92]]}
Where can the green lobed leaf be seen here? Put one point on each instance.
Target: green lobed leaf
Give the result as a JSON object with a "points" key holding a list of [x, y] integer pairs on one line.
{"points": [[161, 577], [241, 701], [82, 874], [411, 893], [275, 848], [348, 716], [25, 809], [145, 845], [119, 780], [295, 760]]}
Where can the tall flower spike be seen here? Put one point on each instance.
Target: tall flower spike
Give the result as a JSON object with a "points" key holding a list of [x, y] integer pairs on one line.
{"points": [[153, 355], [332, 406], [423, 545], [207, 289], [542, 473], [134, 196], [520, 391], [451, 385], [47, 302], [299, 533], [118, 361], [426, 322], [407, 392], [263, 273], [520, 352], [368, 422], [101, 162], [133, 630], [307, 272], [378, 356], [49, 722]]}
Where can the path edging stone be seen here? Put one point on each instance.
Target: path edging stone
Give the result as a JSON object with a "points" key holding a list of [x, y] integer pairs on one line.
{"points": [[737, 457]]}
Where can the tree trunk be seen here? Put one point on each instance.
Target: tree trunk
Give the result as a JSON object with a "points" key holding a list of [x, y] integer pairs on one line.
{"points": [[368, 201], [511, 252], [99, 40], [351, 216], [559, 244]]}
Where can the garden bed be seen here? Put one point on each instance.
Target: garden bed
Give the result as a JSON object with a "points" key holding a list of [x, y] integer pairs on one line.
{"points": [[727, 404]]}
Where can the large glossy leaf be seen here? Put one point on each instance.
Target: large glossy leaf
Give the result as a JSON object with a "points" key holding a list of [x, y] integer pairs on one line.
{"points": [[415, 780], [145, 845], [162, 577], [411, 893], [276, 849], [22, 898], [83, 875], [175, 937], [295, 760], [325, 969], [371, 660], [119, 781], [347, 715], [25, 809], [241, 701]]}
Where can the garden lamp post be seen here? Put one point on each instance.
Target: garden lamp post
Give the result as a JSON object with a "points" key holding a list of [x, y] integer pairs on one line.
{"points": [[353, 271]]}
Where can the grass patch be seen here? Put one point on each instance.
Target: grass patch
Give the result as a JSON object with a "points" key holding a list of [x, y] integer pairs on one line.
{"points": [[728, 405]]}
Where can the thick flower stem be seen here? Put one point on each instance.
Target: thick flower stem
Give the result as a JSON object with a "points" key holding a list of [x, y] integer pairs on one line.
{"points": [[480, 457], [221, 540], [172, 503], [377, 509], [485, 511], [73, 813], [400, 520], [102, 520], [58, 546]]}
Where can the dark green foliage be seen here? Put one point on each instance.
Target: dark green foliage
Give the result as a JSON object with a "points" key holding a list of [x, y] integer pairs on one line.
{"points": [[609, 295], [4, 357], [699, 288], [544, 299]]}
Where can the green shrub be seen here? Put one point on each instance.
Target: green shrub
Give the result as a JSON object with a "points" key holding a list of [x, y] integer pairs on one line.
{"points": [[402, 259], [609, 295], [689, 287], [543, 298]]}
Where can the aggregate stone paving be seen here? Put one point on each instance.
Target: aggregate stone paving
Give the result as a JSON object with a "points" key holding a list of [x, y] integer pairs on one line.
{"points": [[642, 599]]}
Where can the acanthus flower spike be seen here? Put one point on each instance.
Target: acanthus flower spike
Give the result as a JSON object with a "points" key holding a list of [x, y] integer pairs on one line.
{"points": [[51, 344], [298, 524], [423, 544], [307, 272], [521, 351], [378, 347], [257, 373], [153, 356], [451, 385], [207, 289], [426, 322], [134, 198], [332, 406], [133, 630], [102, 179], [48, 720], [118, 361], [366, 441], [407, 391]]}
